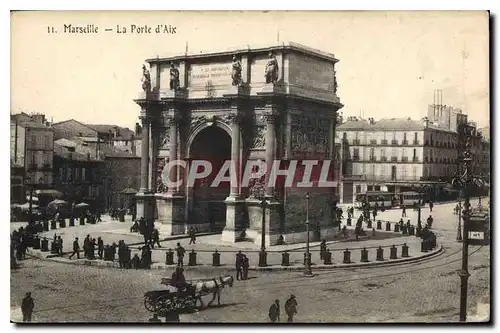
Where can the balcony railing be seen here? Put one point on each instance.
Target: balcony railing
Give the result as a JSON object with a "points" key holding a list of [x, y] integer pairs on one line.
{"points": [[415, 159], [355, 142], [394, 159], [373, 142], [383, 142], [416, 142], [389, 178], [355, 158], [373, 158], [404, 159], [383, 158], [394, 142], [405, 142]]}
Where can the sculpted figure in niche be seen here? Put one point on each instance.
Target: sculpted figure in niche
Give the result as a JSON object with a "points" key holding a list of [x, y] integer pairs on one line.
{"points": [[174, 77], [335, 85], [236, 73], [259, 139], [272, 69], [146, 79]]}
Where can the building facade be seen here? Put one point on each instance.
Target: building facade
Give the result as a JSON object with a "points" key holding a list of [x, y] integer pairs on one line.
{"points": [[394, 155], [32, 147], [79, 177], [267, 104]]}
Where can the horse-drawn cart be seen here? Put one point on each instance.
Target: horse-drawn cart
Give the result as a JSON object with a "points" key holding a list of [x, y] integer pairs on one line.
{"points": [[163, 302]]}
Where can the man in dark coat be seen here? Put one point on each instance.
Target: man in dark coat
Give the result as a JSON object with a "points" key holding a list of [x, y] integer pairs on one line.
{"points": [[180, 255], [245, 266], [274, 311], [86, 247], [192, 236], [291, 308], [431, 205], [59, 246], [27, 307], [76, 249], [156, 238], [100, 247], [403, 212], [239, 266], [322, 249]]}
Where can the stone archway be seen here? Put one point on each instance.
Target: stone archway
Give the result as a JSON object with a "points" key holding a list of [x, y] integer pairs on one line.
{"points": [[212, 144]]}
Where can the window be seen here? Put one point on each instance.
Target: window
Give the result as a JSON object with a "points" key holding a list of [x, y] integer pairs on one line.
{"points": [[83, 174], [394, 135], [377, 188], [404, 138], [358, 188], [355, 154], [414, 154], [373, 170], [415, 138], [394, 152], [414, 172], [404, 152], [372, 154]]}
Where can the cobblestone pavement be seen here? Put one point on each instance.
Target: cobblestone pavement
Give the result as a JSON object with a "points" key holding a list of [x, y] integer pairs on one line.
{"points": [[425, 291]]}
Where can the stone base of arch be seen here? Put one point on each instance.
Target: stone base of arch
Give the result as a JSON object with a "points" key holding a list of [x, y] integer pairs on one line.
{"points": [[170, 214], [235, 220]]}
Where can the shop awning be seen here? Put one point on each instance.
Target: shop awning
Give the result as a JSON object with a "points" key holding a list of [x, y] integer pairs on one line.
{"points": [[50, 192]]}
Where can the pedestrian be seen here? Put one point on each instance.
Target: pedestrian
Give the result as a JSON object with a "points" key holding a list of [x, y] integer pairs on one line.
{"points": [[322, 249], [403, 212], [291, 308], [431, 204], [239, 266], [192, 236], [86, 247], [154, 319], [59, 246], [246, 265], [344, 231], [136, 261], [100, 247], [180, 255], [76, 249], [156, 238], [274, 311], [27, 306]]}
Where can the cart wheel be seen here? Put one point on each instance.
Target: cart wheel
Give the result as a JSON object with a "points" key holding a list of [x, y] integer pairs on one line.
{"points": [[167, 304], [149, 304]]}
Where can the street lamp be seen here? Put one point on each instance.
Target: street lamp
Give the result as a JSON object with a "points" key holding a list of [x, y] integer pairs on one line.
{"points": [[307, 266], [459, 228], [263, 204], [464, 180], [32, 189]]}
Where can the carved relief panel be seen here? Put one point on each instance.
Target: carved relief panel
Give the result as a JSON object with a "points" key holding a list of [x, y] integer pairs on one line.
{"points": [[309, 135]]}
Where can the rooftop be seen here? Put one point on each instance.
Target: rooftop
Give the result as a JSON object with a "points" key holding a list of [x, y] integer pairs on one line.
{"points": [[247, 49], [397, 124]]}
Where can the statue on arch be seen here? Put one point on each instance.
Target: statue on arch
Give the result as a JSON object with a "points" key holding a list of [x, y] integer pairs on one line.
{"points": [[146, 79], [335, 85], [272, 69], [236, 72], [174, 77]]}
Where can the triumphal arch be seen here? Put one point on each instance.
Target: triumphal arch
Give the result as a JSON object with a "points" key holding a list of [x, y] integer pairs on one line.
{"points": [[267, 104]]}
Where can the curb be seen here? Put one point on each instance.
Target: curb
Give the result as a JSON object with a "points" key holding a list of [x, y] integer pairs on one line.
{"points": [[114, 264]]}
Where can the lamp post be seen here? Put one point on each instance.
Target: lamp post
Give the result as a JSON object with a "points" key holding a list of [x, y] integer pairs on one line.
{"points": [[27, 182], [263, 204], [464, 180], [307, 266], [459, 228]]}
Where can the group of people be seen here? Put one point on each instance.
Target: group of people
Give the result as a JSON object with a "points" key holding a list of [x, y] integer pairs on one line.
{"points": [[19, 241], [242, 265], [290, 310]]}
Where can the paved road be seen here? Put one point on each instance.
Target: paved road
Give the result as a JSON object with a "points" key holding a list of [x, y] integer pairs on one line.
{"points": [[425, 291]]}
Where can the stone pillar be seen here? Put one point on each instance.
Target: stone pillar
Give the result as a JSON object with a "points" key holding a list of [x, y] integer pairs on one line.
{"points": [[270, 150], [145, 154], [235, 155], [288, 136], [173, 153]]}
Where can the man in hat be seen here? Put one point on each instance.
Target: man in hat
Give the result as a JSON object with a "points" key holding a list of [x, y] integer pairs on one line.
{"points": [[180, 255], [27, 307], [76, 249], [274, 311], [291, 308]]}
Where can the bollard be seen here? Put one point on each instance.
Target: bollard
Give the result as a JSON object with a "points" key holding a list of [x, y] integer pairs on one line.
{"points": [[285, 259], [53, 248], [45, 244], [349, 222], [379, 225], [388, 226], [82, 220], [62, 223], [192, 258], [347, 257], [169, 260], [396, 227], [216, 258], [423, 246], [433, 243], [412, 230], [373, 232], [394, 253], [369, 224], [364, 255], [71, 221], [404, 251], [53, 225], [327, 257], [380, 254], [45, 225], [417, 232], [262, 258], [36, 243]]}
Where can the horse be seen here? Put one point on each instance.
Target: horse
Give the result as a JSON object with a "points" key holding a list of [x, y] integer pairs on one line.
{"points": [[212, 286]]}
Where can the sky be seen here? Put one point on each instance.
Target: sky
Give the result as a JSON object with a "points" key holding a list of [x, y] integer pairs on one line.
{"points": [[390, 62]]}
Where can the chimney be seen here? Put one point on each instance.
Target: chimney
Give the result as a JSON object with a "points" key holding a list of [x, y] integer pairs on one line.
{"points": [[38, 118], [132, 144]]}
